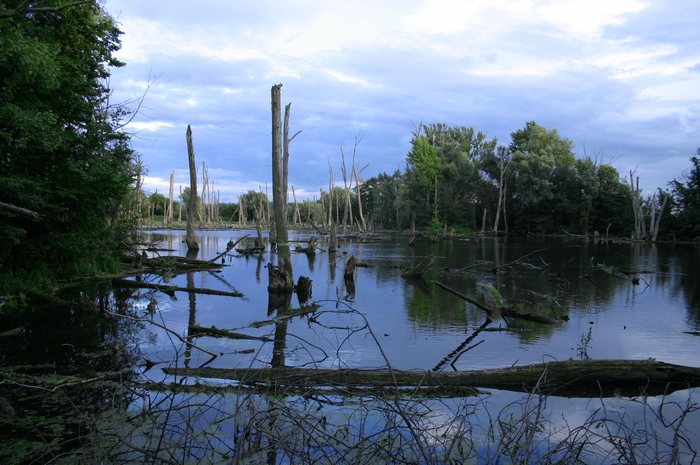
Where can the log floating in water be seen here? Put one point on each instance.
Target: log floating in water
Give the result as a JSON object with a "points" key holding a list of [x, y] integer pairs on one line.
{"points": [[213, 331], [286, 316], [171, 289], [571, 378]]}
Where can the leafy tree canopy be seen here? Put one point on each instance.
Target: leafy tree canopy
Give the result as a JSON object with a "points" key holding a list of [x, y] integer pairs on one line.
{"points": [[62, 154]]}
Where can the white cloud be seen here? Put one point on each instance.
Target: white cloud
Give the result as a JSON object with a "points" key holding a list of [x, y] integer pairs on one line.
{"points": [[604, 70], [589, 18], [149, 126], [346, 78]]}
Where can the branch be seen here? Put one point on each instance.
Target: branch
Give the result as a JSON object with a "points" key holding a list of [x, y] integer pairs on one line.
{"points": [[25, 8], [170, 290], [22, 211]]}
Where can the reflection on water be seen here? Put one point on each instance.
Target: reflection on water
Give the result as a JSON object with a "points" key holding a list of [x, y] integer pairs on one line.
{"points": [[626, 301], [632, 300]]}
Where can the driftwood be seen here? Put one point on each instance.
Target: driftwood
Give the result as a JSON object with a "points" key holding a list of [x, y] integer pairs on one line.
{"points": [[572, 377], [195, 330], [171, 263], [170, 290]]}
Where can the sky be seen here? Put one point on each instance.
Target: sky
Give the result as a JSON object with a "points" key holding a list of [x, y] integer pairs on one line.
{"points": [[619, 78]]}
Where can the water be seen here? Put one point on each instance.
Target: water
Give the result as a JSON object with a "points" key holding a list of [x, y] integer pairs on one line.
{"points": [[418, 323], [619, 301]]}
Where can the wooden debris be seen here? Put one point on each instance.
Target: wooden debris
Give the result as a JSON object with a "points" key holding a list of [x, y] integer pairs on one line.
{"points": [[292, 313], [170, 290], [571, 377], [213, 331]]}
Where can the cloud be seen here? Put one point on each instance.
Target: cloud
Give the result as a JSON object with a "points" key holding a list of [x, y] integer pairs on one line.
{"points": [[620, 75], [149, 126]]}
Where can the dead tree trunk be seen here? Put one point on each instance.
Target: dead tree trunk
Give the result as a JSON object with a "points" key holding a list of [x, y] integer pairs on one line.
{"points": [[358, 183], [656, 212], [192, 204], [501, 186], [281, 277], [636, 193], [297, 213], [347, 214], [333, 241], [170, 198], [179, 207]]}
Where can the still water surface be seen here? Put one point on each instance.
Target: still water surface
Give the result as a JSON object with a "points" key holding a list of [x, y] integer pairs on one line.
{"points": [[601, 310]]}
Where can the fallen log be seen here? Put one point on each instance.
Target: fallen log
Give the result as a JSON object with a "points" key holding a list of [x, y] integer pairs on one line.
{"points": [[170, 290], [287, 315], [195, 330], [170, 263], [582, 378]]}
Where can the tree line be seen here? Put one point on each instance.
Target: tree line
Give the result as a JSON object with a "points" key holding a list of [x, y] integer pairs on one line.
{"points": [[459, 180]]}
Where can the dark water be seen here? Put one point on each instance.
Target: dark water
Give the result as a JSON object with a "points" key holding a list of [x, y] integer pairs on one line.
{"points": [[417, 323], [622, 301]]}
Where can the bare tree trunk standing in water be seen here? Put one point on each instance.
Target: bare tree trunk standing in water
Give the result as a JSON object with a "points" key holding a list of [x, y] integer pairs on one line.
{"points": [[281, 277], [192, 204]]}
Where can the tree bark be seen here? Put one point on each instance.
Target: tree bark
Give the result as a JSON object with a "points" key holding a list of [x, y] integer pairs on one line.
{"points": [[281, 277], [192, 204]]}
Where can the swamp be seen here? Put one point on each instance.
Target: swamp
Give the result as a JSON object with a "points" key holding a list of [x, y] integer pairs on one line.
{"points": [[136, 370]]}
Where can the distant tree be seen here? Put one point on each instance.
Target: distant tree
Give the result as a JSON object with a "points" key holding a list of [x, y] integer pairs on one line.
{"points": [[381, 200], [256, 203], [444, 164], [686, 196], [185, 199], [610, 200], [544, 192], [157, 202]]}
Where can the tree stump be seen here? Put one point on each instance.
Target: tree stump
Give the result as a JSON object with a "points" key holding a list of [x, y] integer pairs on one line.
{"points": [[350, 266], [303, 289]]}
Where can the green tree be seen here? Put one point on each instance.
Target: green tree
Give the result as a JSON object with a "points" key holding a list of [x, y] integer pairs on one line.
{"points": [[62, 154], [256, 203], [157, 202], [185, 199], [380, 199], [424, 162], [687, 201], [444, 162], [544, 192]]}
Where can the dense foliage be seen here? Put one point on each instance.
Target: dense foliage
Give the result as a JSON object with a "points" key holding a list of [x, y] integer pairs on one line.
{"points": [[686, 196], [62, 154], [455, 176]]}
